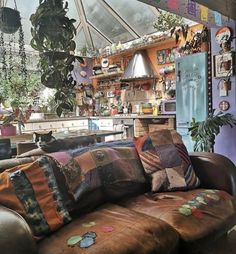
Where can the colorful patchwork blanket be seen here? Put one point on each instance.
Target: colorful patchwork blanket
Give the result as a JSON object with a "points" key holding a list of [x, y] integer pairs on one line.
{"points": [[89, 168]]}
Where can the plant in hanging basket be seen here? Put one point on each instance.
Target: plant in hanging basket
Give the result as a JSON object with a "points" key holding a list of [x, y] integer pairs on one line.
{"points": [[10, 20], [52, 35]]}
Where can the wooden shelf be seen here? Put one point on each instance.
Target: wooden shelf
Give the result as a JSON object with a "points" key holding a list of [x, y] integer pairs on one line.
{"points": [[147, 45], [108, 75]]}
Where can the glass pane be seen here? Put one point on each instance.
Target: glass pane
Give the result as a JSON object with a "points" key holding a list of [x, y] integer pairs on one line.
{"points": [[98, 41], [138, 15], [105, 22], [80, 40], [73, 13], [26, 8]]}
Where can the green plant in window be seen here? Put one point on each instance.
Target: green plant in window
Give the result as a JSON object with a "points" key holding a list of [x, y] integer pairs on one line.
{"points": [[52, 35], [203, 133]]}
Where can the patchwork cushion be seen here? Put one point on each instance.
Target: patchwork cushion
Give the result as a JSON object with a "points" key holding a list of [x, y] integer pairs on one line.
{"points": [[165, 159], [117, 230], [195, 214], [31, 190], [91, 168]]}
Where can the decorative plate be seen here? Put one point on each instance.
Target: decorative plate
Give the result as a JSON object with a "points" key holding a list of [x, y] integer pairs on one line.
{"points": [[223, 35]]}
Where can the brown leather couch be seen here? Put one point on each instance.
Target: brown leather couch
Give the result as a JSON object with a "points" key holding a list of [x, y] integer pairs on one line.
{"points": [[146, 223]]}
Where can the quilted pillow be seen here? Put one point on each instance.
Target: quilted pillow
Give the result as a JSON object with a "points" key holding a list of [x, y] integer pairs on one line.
{"points": [[31, 190], [165, 159], [114, 168]]}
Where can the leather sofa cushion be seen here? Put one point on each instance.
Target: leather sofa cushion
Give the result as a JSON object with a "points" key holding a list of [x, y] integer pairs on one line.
{"points": [[165, 159], [194, 214], [130, 232]]}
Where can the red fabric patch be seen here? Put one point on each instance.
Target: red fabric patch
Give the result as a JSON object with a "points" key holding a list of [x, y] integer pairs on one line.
{"points": [[197, 213]]}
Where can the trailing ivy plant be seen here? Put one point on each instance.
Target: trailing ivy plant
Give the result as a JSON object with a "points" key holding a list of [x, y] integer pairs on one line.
{"points": [[203, 133], [52, 35]]}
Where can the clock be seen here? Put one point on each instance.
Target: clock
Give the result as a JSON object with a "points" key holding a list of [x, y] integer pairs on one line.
{"points": [[224, 105]]}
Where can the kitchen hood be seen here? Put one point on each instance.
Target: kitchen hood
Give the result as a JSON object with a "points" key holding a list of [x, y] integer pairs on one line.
{"points": [[139, 68]]}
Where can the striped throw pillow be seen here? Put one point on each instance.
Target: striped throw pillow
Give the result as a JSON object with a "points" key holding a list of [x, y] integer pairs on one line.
{"points": [[32, 191], [165, 159]]}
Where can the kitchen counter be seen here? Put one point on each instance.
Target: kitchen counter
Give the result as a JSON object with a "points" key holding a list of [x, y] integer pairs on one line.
{"points": [[134, 116], [145, 116]]}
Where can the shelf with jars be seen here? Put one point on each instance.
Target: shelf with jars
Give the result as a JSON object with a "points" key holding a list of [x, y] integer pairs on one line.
{"points": [[107, 75]]}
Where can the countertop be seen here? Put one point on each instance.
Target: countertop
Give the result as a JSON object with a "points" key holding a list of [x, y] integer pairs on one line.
{"points": [[132, 116]]}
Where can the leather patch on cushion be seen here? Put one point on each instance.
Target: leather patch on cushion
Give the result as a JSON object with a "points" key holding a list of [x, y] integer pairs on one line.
{"points": [[165, 159], [125, 232], [194, 214], [31, 190]]}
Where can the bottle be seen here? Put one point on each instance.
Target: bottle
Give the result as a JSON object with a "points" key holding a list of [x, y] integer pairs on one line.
{"points": [[125, 110], [129, 108], [155, 110]]}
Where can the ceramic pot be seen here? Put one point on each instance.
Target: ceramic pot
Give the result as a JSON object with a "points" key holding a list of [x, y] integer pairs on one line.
{"points": [[8, 130], [9, 20]]}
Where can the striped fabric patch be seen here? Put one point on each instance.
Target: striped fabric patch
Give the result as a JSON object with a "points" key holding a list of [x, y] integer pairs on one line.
{"points": [[31, 189], [165, 158]]}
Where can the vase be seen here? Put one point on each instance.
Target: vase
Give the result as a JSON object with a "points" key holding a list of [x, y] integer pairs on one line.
{"points": [[8, 130]]}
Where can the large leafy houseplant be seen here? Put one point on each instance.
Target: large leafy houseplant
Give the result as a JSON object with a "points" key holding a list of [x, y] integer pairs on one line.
{"points": [[170, 22], [203, 133], [52, 35]]}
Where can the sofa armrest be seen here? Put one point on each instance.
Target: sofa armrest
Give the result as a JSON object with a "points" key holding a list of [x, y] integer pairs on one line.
{"points": [[15, 234], [215, 171]]}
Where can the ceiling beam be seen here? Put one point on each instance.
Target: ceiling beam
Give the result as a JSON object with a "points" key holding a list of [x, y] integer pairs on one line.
{"points": [[83, 20], [99, 33]]}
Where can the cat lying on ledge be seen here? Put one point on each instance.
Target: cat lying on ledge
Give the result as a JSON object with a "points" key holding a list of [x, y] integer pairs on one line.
{"points": [[49, 144]]}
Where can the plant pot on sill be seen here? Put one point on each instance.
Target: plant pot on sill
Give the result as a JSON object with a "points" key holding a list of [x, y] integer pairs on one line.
{"points": [[8, 130], [10, 20]]}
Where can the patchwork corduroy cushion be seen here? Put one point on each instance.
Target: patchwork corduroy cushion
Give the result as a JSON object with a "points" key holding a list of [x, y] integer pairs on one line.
{"points": [[165, 159], [114, 169], [31, 190]]}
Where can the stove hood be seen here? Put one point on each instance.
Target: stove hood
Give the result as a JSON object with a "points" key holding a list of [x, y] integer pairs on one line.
{"points": [[139, 68]]}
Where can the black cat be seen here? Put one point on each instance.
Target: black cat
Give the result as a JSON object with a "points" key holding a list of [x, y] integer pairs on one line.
{"points": [[49, 144]]}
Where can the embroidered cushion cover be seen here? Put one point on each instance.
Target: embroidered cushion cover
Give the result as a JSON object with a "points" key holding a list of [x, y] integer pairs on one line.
{"points": [[165, 159], [31, 190]]}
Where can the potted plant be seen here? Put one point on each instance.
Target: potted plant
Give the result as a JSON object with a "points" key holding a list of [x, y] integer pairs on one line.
{"points": [[52, 35], [170, 22], [17, 116], [10, 20], [203, 133]]}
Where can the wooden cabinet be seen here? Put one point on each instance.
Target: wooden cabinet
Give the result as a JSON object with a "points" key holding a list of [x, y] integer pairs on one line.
{"points": [[63, 125]]}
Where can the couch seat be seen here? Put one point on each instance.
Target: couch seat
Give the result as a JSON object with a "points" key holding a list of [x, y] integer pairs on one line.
{"points": [[119, 231], [194, 214]]}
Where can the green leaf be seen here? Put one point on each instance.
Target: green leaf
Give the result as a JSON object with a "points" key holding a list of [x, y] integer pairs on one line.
{"points": [[59, 110]]}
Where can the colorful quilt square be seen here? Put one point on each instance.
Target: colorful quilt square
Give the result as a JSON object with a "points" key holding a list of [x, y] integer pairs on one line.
{"points": [[165, 159]]}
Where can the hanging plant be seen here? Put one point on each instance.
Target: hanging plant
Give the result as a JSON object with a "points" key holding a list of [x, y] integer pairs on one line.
{"points": [[10, 20], [52, 35]]}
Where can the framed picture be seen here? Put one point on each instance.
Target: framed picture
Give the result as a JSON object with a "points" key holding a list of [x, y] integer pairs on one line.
{"points": [[223, 65], [166, 56]]}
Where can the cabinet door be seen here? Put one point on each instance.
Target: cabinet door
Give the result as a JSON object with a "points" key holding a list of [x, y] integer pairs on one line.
{"points": [[106, 124]]}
